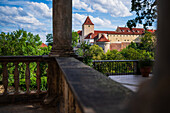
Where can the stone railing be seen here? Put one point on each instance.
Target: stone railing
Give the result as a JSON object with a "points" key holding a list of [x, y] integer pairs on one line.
{"points": [[72, 86], [20, 95], [85, 90]]}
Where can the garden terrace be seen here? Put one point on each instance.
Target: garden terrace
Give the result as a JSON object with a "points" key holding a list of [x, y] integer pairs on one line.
{"points": [[76, 88]]}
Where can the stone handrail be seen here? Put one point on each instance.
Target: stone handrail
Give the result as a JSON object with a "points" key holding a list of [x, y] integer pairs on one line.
{"points": [[85, 90]]}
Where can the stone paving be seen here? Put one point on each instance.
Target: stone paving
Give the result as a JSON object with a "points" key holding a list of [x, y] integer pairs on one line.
{"points": [[27, 108], [132, 82]]}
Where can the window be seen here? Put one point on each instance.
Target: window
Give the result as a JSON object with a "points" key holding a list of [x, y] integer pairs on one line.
{"points": [[89, 26]]}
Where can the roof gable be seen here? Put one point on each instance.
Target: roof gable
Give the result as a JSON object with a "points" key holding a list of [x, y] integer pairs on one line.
{"points": [[88, 21], [43, 45], [103, 39], [137, 31]]}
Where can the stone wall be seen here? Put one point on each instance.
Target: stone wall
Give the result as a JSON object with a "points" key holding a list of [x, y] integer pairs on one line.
{"points": [[119, 46], [114, 38], [86, 29]]}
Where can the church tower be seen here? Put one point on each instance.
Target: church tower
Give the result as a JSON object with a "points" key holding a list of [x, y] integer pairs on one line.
{"points": [[87, 27]]}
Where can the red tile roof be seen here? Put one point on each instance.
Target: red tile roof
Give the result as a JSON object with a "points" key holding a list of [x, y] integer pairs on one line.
{"points": [[151, 30], [127, 31], [43, 45], [89, 36], [120, 33], [135, 31], [79, 32], [103, 39], [88, 21]]}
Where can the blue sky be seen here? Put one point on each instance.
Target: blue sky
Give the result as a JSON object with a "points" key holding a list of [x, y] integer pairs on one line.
{"points": [[36, 15]]}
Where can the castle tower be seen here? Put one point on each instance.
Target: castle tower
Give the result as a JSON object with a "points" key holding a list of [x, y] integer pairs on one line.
{"points": [[87, 27]]}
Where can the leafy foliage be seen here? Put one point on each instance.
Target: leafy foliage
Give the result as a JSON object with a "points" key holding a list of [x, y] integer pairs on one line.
{"points": [[146, 12], [75, 36], [20, 42], [49, 39], [114, 55], [148, 42], [96, 52]]}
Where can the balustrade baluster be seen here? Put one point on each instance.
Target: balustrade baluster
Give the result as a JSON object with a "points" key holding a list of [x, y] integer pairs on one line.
{"points": [[5, 78], [16, 78], [27, 77], [38, 78]]}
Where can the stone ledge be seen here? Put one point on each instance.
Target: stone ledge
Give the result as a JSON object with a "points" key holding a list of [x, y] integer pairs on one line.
{"points": [[92, 89]]}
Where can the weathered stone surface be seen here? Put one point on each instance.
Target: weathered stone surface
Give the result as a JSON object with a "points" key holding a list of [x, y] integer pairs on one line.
{"points": [[92, 89], [62, 28]]}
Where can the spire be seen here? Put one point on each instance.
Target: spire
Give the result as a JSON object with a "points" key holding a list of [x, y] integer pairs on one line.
{"points": [[88, 21]]}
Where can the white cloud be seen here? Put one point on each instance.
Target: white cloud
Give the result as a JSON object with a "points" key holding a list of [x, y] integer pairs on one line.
{"points": [[33, 17], [82, 5], [100, 8], [115, 8], [18, 16], [40, 10], [99, 23]]}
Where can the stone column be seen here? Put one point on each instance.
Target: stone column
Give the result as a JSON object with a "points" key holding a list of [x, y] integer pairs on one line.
{"points": [[154, 95], [62, 28]]}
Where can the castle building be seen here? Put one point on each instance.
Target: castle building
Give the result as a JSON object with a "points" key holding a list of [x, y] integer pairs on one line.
{"points": [[110, 40]]}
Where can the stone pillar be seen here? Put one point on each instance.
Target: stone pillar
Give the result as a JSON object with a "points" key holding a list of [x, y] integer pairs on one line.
{"points": [[154, 95], [62, 28]]}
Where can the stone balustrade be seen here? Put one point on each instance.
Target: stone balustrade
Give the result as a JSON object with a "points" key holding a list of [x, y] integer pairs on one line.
{"points": [[73, 87]]}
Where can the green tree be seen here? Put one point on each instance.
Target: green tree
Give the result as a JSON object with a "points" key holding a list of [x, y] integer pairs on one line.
{"points": [[20, 42], [49, 39], [114, 55], [96, 52], [133, 45], [130, 54], [85, 47], [146, 12], [147, 42], [75, 37]]}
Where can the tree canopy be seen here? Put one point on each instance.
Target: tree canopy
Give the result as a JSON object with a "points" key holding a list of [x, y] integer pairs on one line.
{"points": [[19, 42], [146, 12], [23, 43], [49, 39], [75, 37]]}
